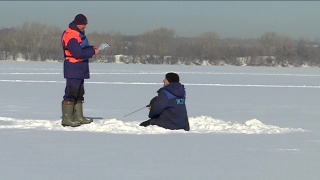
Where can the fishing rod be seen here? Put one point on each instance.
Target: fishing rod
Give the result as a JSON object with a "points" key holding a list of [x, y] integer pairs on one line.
{"points": [[136, 110]]}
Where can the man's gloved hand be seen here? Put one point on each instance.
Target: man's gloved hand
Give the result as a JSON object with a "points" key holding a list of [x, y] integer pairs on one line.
{"points": [[152, 102]]}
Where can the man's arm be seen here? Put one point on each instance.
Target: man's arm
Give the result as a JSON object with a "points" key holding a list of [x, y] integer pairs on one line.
{"points": [[159, 105], [76, 50]]}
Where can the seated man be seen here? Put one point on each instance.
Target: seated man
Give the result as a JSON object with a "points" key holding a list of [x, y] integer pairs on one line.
{"points": [[168, 109]]}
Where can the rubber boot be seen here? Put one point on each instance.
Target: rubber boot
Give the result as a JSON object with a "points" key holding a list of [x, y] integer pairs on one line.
{"points": [[67, 114], [78, 114], [146, 123]]}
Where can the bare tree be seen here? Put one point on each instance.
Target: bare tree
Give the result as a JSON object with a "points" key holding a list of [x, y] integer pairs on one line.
{"points": [[158, 42], [268, 41]]}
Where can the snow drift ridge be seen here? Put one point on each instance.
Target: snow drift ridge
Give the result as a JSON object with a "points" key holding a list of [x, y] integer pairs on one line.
{"points": [[201, 124]]}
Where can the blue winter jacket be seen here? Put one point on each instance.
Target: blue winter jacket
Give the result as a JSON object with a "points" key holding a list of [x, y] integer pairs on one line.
{"points": [[79, 70], [169, 109]]}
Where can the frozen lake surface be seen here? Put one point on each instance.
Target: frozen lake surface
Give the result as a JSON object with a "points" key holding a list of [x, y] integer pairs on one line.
{"points": [[246, 123]]}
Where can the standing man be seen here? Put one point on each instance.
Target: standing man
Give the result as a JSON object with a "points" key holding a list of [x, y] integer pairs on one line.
{"points": [[168, 109], [77, 52]]}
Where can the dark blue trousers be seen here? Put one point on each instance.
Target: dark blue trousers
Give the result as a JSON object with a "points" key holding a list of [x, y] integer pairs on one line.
{"points": [[74, 90]]}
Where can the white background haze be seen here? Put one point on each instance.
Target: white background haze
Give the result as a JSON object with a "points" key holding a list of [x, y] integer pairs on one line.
{"points": [[229, 19]]}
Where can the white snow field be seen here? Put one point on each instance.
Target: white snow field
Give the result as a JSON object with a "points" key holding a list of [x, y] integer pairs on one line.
{"points": [[247, 123]]}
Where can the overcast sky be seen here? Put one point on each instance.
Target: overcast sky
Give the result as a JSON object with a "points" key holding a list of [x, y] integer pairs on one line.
{"points": [[240, 19]]}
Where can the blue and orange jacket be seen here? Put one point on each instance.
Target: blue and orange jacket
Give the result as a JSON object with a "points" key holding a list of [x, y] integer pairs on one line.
{"points": [[169, 109], [76, 52]]}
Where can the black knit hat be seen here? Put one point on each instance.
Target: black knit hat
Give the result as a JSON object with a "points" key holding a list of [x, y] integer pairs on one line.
{"points": [[80, 19], [172, 77]]}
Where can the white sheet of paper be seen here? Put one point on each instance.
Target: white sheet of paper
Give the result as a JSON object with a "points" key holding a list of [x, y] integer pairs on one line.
{"points": [[103, 46]]}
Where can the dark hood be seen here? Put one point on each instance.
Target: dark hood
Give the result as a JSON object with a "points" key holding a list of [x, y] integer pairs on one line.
{"points": [[176, 89], [74, 27]]}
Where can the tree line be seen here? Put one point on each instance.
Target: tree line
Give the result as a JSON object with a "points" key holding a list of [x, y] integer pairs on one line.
{"points": [[40, 42]]}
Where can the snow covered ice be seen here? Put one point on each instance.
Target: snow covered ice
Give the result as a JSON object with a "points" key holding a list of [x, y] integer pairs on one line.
{"points": [[246, 123]]}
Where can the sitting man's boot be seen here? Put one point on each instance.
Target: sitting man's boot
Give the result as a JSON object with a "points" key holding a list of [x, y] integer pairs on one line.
{"points": [[78, 114], [146, 123], [67, 114]]}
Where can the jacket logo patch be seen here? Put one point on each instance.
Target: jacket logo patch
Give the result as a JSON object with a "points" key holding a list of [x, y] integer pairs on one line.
{"points": [[180, 101]]}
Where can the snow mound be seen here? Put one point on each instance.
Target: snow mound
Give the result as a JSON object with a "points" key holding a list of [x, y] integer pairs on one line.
{"points": [[202, 124]]}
